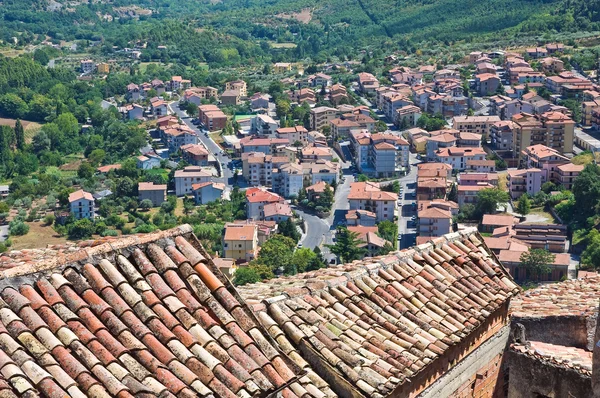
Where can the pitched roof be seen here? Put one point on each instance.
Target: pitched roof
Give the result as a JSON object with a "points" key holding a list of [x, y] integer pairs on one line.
{"points": [[150, 186], [498, 219], [277, 209], [240, 232], [78, 195], [369, 191], [144, 316], [380, 322], [255, 195]]}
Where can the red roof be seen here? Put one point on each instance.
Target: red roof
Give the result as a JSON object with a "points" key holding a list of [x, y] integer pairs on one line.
{"points": [[81, 194]]}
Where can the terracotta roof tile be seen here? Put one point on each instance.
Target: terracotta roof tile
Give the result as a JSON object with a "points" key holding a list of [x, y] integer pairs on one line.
{"points": [[399, 312], [143, 317]]}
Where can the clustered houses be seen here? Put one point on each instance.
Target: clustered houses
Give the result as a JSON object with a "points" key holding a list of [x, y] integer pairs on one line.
{"points": [[289, 178], [195, 95], [380, 154], [369, 196]]}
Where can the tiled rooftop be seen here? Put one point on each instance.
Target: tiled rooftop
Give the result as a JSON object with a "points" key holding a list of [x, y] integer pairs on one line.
{"points": [[380, 321], [568, 357], [576, 297], [141, 316]]}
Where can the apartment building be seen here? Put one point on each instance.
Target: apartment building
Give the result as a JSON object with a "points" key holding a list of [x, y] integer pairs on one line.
{"points": [[257, 167], [194, 154], [156, 193], [256, 200], [567, 173], [238, 85], [475, 124], [368, 196], [367, 83], [552, 129], [407, 116], [206, 192], [524, 181], [434, 222], [212, 117], [240, 242], [321, 116], [546, 159], [190, 175], [265, 145], [82, 204], [293, 134], [458, 157], [195, 95], [264, 125], [501, 135], [178, 135], [87, 66], [467, 194]]}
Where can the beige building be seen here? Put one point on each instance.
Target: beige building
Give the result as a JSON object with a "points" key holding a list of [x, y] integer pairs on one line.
{"points": [[321, 116], [434, 221], [156, 193], [552, 129], [524, 181], [238, 85], [240, 242], [474, 124]]}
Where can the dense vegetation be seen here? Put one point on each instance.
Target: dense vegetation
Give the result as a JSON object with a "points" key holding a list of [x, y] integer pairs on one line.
{"points": [[233, 32]]}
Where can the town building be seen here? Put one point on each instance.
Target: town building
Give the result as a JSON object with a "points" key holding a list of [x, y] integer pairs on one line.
{"points": [[156, 193], [277, 212], [103, 68], [370, 241], [87, 66], [158, 107], [367, 83], [490, 222], [240, 242], [434, 221], [260, 101], [206, 192], [212, 117], [231, 97], [474, 124], [177, 136], [195, 95], [257, 199], [293, 134], [362, 218], [321, 116], [194, 154], [524, 181], [238, 85], [458, 157], [186, 178], [368, 196], [468, 194], [82, 204], [567, 174], [552, 129], [148, 161], [546, 159], [282, 67], [264, 125], [407, 116]]}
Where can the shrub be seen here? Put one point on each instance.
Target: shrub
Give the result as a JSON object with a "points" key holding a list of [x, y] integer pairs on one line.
{"points": [[49, 219], [110, 232], [18, 228]]}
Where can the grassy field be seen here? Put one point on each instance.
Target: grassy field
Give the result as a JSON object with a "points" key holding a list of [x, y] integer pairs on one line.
{"points": [[39, 236], [31, 128], [283, 45]]}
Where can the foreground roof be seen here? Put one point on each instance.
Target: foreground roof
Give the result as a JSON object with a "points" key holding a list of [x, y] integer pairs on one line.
{"points": [[141, 316], [378, 322]]}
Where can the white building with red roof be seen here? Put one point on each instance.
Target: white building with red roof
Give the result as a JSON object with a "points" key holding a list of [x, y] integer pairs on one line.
{"points": [[368, 196], [256, 200], [82, 204]]}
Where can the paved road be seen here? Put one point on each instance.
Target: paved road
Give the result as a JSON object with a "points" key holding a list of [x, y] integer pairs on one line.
{"points": [[224, 161], [316, 228], [406, 228]]}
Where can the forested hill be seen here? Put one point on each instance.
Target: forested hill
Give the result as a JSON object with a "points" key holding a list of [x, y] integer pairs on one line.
{"points": [[316, 25]]}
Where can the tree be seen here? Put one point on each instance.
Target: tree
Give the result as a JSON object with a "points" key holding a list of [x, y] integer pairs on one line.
{"points": [[85, 171], [191, 109], [591, 255], [586, 190], [318, 261], [380, 126], [549, 186], [276, 252], [348, 246], [301, 260], [19, 135], [245, 275], [488, 201], [524, 205], [282, 108], [537, 261], [388, 230], [470, 112], [453, 194], [288, 228], [146, 204], [17, 227], [97, 156], [326, 199], [81, 229]]}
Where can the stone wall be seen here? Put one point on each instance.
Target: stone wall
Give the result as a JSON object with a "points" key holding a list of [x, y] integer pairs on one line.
{"points": [[530, 377], [569, 331]]}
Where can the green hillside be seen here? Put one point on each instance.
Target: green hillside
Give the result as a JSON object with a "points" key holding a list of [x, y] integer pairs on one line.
{"points": [[202, 28]]}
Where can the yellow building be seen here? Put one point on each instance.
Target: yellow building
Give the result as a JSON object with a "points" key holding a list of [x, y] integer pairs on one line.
{"points": [[282, 67], [103, 68], [240, 241]]}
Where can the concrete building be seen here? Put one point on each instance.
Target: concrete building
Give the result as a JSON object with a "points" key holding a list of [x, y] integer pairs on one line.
{"points": [[434, 221], [475, 124], [458, 157], [293, 134], [240, 242], [367, 83], [148, 161], [195, 95], [87, 66], [190, 175], [212, 117], [194, 154], [264, 125], [257, 199], [567, 173], [368, 196], [206, 192], [546, 159], [277, 212], [552, 129], [238, 85], [321, 116], [82, 204], [156, 193], [524, 181]]}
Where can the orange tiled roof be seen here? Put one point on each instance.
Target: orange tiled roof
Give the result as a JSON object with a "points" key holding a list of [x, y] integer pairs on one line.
{"points": [[81, 194], [401, 311], [144, 316], [561, 356]]}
